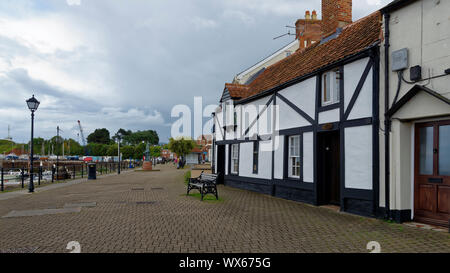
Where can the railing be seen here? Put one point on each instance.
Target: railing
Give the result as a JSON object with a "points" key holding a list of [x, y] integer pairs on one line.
{"points": [[13, 178]]}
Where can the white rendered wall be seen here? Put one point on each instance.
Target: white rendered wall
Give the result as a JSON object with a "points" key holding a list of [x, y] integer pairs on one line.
{"points": [[219, 124], [226, 159], [308, 157], [264, 160], [352, 74], [329, 116], [289, 118], [303, 95], [249, 114], [215, 158], [358, 157], [279, 158], [363, 104]]}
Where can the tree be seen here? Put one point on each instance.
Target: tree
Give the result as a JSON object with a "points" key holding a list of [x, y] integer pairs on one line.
{"points": [[122, 134], [127, 152], [97, 149], [181, 146], [155, 151], [99, 136], [139, 150], [112, 150], [148, 136]]}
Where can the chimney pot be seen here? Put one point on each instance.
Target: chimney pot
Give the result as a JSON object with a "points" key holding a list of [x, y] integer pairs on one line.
{"points": [[314, 15], [307, 15]]}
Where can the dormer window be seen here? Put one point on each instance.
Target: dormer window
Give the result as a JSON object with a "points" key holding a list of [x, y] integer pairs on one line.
{"points": [[331, 87]]}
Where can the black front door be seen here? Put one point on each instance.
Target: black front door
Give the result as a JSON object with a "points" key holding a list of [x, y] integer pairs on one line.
{"points": [[328, 168], [221, 163]]}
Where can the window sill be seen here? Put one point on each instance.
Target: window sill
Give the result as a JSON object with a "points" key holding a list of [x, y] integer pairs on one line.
{"points": [[226, 127], [329, 106], [293, 179]]}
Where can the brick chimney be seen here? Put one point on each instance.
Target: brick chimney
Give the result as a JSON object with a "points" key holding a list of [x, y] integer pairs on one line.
{"points": [[308, 29], [335, 14]]}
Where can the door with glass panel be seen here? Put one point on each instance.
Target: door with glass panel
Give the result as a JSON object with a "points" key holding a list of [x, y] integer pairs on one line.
{"points": [[432, 173]]}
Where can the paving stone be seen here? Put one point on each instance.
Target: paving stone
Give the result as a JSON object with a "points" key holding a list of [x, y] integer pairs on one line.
{"points": [[167, 221], [39, 212], [81, 205]]}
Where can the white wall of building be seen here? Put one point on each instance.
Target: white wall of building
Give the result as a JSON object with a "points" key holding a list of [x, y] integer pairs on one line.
{"points": [[303, 95], [358, 157], [279, 158], [308, 157], [264, 161], [423, 28], [329, 116]]}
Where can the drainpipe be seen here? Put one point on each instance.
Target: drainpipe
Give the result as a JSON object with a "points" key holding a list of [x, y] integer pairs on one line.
{"points": [[387, 119]]}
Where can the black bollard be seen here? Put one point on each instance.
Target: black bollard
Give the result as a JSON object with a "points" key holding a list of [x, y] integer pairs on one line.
{"points": [[23, 178], [39, 175], [2, 185]]}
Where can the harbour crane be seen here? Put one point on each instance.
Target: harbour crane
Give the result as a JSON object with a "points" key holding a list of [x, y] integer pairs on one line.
{"points": [[82, 134]]}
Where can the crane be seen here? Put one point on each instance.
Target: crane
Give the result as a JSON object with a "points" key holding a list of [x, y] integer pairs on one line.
{"points": [[82, 134], [82, 138]]}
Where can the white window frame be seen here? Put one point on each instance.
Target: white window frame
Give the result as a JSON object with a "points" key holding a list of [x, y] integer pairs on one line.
{"points": [[234, 156], [294, 154], [331, 80]]}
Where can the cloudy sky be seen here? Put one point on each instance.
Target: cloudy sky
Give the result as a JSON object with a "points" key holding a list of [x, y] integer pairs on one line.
{"points": [[125, 63]]}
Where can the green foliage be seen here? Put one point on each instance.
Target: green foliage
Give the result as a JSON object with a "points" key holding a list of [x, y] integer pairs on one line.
{"points": [[121, 134], [127, 151], [187, 176], [138, 137], [181, 146], [99, 136], [112, 150], [155, 151], [6, 146], [139, 151], [97, 149]]}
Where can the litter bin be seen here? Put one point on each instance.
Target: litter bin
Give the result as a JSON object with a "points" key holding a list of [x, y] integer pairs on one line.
{"points": [[92, 171]]}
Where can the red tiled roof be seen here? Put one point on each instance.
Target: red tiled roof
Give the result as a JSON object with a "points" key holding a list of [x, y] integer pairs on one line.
{"points": [[353, 39], [238, 91]]}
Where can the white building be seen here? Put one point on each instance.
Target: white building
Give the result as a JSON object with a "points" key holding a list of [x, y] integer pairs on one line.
{"points": [[252, 72], [312, 127], [306, 128], [416, 47]]}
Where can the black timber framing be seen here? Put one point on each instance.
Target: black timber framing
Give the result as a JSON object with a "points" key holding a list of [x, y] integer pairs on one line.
{"points": [[358, 89], [296, 109], [363, 202], [259, 114]]}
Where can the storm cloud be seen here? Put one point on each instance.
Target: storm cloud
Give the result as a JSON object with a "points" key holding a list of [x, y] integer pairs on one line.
{"points": [[125, 64]]}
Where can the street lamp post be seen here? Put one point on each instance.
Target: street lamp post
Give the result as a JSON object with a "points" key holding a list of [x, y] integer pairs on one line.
{"points": [[33, 105]]}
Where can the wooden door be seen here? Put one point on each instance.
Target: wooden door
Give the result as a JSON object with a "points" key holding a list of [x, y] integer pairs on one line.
{"points": [[220, 163], [329, 168], [432, 173]]}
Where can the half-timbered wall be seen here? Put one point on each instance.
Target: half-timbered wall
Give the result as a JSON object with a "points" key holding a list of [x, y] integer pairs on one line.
{"points": [[300, 113]]}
